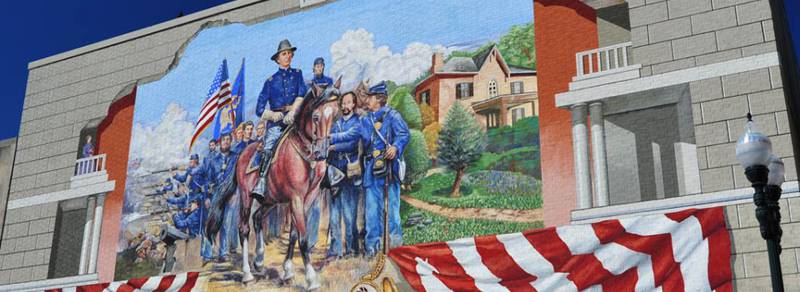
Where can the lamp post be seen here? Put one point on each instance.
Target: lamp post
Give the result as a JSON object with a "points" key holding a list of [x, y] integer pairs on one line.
{"points": [[765, 172]]}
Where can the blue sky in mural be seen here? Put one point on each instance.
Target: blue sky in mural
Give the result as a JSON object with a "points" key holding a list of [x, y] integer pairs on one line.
{"points": [[391, 40], [38, 29]]}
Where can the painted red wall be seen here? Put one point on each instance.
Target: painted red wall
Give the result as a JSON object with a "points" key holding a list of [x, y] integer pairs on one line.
{"points": [[563, 28], [114, 137]]}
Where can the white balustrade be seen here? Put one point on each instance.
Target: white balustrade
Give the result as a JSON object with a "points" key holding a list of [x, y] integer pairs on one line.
{"points": [[602, 61], [89, 165]]}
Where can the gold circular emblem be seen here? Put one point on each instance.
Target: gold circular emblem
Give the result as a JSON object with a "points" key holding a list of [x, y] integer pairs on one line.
{"points": [[378, 125], [376, 153], [379, 163]]}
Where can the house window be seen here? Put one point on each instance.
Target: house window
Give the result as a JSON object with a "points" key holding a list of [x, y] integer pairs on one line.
{"points": [[517, 113], [492, 88], [464, 90], [425, 97], [492, 120], [517, 87]]}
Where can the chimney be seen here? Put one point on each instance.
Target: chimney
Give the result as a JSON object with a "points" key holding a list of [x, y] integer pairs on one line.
{"points": [[437, 62]]}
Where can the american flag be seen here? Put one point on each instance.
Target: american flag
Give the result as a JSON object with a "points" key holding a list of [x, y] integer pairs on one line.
{"points": [[219, 95], [682, 251], [170, 283]]}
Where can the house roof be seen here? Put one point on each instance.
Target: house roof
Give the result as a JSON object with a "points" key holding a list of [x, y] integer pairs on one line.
{"points": [[460, 64], [520, 70]]}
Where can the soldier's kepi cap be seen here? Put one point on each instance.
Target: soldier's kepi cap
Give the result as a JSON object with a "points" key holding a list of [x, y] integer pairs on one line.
{"points": [[194, 157], [379, 88], [319, 61], [285, 45]]}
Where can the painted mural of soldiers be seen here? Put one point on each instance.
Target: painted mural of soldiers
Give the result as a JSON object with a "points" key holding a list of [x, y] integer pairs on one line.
{"points": [[190, 219], [384, 135], [247, 137], [278, 102], [344, 203], [261, 130], [223, 166], [319, 74], [196, 178]]}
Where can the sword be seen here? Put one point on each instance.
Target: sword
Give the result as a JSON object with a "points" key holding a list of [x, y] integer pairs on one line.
{"points": [[386, 206]]}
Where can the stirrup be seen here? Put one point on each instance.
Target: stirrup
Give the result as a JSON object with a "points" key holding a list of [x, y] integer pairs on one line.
{"points": [[260, 189]]}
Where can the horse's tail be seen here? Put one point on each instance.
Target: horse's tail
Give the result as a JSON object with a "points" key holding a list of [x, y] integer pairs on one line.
{"points": [[222, 193]]}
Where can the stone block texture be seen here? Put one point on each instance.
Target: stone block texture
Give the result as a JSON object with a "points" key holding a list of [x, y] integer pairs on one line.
{"points": [[749, 262], [676, 34], [62, 96]]}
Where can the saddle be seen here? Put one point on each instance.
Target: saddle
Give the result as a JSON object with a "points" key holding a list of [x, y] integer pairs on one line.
{"points": [[255, 160]]}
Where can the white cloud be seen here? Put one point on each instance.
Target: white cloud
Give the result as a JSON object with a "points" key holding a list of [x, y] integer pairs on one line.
{"points": [[355, 57], [165, 144]]}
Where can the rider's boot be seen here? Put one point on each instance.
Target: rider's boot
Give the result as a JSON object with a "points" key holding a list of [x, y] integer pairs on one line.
{"points": [[260, 190]]}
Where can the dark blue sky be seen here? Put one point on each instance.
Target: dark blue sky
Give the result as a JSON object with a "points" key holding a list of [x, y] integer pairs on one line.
{"points": [[38, 29]]}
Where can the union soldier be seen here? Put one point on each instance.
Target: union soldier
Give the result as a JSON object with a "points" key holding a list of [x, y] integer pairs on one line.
{"points": [[384, 135], [278, 103], [223, 166], [247, 130], [344, 202], [261, 129], [319, 74], [189, 219], [196, 178]]}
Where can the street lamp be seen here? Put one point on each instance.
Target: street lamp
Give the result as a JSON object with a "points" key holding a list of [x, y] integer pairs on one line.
{"points": [[765, 172]]}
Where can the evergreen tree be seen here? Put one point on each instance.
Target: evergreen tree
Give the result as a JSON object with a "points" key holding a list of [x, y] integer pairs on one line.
{"points": [[403, 102], [461, 143], [416, 157]]}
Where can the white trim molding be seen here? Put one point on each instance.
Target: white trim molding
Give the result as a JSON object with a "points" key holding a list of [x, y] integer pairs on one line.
{"points": [[72, 193], [721, 198], [598, 93], [56, 283]]}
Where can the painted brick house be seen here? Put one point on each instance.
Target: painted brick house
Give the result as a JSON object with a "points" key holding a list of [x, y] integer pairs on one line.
{"points": [[499, 93]]}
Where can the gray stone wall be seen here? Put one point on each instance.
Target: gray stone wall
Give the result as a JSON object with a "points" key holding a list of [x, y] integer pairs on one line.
{"points": [[7, 150], [749, 251], [63, 96], [677, 34], [719, 106]]}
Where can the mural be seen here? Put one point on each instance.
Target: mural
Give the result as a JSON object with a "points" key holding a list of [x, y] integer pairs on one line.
{"points": [[417, 117]]}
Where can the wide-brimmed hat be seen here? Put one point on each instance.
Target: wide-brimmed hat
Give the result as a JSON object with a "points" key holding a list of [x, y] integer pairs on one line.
{"points": [[284, 45]]}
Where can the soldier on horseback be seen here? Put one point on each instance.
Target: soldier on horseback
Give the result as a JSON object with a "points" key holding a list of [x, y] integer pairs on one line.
{"points": [[278, 103]]}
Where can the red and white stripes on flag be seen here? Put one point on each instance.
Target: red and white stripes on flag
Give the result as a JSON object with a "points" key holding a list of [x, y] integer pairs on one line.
{"points": [[168, 283], [219, 95], [682, 251]]}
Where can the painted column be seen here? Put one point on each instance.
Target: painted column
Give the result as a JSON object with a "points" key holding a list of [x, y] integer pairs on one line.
{"points": [[87, 235], [599, 154], [98, 220], [580, 152]]}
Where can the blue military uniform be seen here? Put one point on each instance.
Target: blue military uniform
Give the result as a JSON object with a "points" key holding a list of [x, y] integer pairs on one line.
{"points": [[394, 130], [321, 79], [344, 204], [190, 221], [223, 165], [198, 188]]}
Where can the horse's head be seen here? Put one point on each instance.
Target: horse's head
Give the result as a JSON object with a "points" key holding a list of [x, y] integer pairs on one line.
{"points": [[320, 111], [362, 93]]}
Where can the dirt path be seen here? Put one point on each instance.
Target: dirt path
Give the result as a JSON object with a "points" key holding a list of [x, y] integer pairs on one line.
{"points": [[527, 216]]}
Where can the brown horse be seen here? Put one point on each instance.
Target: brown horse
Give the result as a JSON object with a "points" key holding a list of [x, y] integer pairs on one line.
{"points": [[294, 178]]}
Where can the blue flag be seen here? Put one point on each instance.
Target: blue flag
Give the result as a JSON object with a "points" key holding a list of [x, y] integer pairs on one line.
{"points": [[238, 96]]}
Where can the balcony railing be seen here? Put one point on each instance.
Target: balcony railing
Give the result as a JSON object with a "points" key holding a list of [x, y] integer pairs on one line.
{"points": [[90, 165], [602, 61]]}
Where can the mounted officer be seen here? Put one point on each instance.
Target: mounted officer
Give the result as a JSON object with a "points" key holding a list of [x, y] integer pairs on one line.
{"points": [[278, 103]]}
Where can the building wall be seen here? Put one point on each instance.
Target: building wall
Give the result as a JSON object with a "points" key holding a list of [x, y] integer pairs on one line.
{"points": [[556, 66], [63, 94], [7, 150], [114, 140], [446, 93], [678, 34]]}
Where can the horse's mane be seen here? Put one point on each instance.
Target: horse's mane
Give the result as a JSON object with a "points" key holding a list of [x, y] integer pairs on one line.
{"points": [[310, 102]]}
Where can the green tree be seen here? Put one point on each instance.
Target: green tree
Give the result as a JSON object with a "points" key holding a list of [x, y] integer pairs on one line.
{"points": [[431, 133], [403, 102], [416, 157], [461, 142], [517, 46], [428, 115]]}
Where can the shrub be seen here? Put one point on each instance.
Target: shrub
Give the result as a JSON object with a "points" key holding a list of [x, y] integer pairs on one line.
{"points": [[417, 157], [431, 133]]}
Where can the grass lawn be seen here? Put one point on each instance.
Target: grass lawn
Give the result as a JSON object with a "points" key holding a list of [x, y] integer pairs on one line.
{"points": [[444, 229], [435, 189]]}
